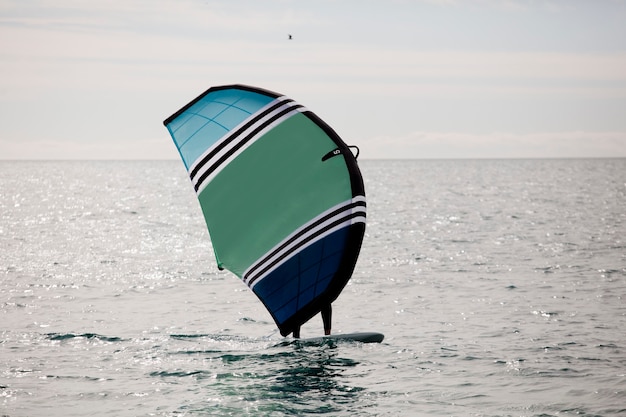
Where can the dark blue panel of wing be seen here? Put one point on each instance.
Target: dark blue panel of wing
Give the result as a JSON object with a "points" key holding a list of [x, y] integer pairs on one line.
{"points": [[298, 281]]}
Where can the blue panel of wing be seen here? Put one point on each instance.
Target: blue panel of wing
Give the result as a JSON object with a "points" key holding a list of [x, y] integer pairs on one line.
{"points": [[210, 118], [305, 276]]}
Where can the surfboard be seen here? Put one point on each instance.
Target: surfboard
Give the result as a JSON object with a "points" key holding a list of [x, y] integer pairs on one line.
{"points": [[363, 337]]}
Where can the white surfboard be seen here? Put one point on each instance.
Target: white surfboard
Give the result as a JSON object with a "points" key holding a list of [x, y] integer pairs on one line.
{"points": [[363, 337]]}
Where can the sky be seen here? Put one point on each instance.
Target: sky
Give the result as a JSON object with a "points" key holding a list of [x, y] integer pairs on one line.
{"points": [[84, 79]]}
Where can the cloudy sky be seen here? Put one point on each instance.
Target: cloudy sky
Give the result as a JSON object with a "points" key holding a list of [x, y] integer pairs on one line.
{"points": [[84, 79]]}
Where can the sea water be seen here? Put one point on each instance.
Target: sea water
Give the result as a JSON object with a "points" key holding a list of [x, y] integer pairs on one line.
{"points": [[500, 286]]}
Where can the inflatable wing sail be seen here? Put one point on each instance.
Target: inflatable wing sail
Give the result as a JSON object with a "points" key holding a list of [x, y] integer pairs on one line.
{"points": [[281, 194]]}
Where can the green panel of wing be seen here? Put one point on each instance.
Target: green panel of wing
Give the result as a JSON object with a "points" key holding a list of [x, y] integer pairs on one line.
{"points": [[275, 186]]}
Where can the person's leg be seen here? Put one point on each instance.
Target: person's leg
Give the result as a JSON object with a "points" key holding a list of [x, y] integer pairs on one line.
{"points": [[296, 332], [327, 313]]}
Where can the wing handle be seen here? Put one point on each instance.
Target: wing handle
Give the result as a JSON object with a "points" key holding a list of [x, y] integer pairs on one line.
{"points": [[337, 151]]}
